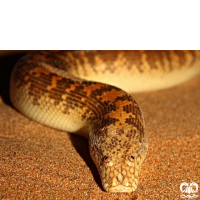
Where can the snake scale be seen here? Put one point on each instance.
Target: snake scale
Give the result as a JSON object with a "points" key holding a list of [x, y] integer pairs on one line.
{"points": [[65, 90]]}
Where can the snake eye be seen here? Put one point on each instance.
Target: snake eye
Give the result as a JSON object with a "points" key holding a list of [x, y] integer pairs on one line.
{"points": [[131, 158], [106, 159]]}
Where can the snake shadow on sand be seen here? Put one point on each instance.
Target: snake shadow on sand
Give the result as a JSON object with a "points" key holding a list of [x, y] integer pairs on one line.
{"points": [[82, 148]]}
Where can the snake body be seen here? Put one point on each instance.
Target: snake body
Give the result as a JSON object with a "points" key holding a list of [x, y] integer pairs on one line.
{"points": [[53, 88]]}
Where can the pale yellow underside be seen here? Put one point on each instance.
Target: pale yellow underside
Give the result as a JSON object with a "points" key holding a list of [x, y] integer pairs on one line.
{"points": [[139, 82]]}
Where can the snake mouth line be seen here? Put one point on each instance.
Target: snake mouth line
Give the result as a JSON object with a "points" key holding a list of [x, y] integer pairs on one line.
{"points": [[121, 188]]}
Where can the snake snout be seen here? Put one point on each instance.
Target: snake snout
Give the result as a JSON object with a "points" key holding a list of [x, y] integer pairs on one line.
{"points": [[120, 188], [120, 176]]}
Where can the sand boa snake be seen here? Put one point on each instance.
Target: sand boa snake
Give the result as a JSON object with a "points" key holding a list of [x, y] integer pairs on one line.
{"points": [[50, 87]]}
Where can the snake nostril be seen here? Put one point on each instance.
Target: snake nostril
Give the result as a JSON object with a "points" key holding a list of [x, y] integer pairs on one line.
{"points": [[120, 177], [107, 159], [131, 158]]}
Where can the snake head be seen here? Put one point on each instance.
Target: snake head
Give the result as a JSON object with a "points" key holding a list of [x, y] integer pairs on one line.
{"points": [[118, 163]]}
